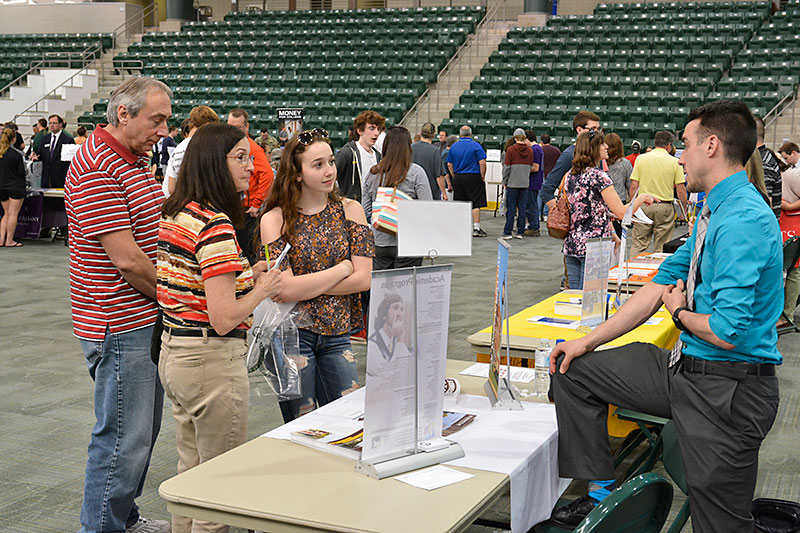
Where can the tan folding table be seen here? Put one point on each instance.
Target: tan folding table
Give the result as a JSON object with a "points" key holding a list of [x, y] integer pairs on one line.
{"points": [[280, 486]]}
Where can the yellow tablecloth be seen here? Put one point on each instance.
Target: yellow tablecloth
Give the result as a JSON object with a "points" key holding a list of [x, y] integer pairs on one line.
{"points": [[663, 334]]}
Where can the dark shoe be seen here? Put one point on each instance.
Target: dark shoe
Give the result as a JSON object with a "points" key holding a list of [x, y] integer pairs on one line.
{"points": [[573, 513], [478, 233], [532, 232]]}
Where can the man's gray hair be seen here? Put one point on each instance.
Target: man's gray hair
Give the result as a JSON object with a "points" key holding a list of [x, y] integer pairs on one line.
{"points": [[465, 131], [133, 95], [451, 140]]}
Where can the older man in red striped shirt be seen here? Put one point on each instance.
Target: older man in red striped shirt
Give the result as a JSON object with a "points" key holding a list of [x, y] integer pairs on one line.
{"points": [[113, 206]]}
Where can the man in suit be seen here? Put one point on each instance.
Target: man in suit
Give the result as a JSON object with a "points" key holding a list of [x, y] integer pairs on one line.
{"points": [[54, 171]]}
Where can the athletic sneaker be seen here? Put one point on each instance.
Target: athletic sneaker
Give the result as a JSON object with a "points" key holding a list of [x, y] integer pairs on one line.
{"points": [[517, 236], [506, 237], [148, 525], [478, 233]]}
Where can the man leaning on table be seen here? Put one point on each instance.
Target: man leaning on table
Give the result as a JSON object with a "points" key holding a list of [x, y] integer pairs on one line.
{"points": [[719, 384]]}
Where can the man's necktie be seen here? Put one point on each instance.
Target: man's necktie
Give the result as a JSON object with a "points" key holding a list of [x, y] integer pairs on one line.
{"points": [[691, 280], [53, 146]]}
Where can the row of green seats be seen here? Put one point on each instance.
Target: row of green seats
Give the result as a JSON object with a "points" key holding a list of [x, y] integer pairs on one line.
{"points": [[650, 44], [767, 41], [765, 68], [580, 84], [757, 7], [36, 39], [613, 69], [608, 97], [320, 83], [787, 28], [757, 83], [366, 13], [644, 30], [331, 47], [754, 55], [279, 38], [265, 98], [396, 56], [380, 75], [682, 55], [657, 19], [759, 99]]}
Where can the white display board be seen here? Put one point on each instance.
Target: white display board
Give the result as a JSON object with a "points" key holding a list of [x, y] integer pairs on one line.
{"points": [[431, 228], [403, 393]]}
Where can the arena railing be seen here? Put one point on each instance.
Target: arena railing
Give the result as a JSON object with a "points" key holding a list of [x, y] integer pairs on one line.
{"points": [[771, 117], [57, 60], [461, 56]]}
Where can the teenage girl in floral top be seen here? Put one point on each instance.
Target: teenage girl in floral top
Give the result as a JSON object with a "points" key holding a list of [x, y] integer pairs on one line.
{"points": [[592, 201], [328, 265]]}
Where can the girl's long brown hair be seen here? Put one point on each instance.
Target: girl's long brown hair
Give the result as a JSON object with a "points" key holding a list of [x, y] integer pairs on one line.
{"points": [[587, 151], [396, 158], [286, 189]]}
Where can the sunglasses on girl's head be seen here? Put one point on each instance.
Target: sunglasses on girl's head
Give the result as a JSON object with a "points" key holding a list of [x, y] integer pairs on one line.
{"points": [[308, 136]]}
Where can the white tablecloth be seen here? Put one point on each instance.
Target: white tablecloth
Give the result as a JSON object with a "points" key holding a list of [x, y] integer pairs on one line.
{"points": [[521, 444]]}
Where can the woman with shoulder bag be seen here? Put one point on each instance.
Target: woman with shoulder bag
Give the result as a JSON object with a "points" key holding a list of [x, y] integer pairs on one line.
{"points": [[592, 201], [395, 170]]}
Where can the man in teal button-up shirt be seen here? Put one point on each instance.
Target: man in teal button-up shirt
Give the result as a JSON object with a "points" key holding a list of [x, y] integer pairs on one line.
{"points": [[723, 393]]}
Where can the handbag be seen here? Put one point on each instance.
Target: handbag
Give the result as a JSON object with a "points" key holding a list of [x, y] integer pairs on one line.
{"points": [[558, 218], [155, 340], [384, 209]]}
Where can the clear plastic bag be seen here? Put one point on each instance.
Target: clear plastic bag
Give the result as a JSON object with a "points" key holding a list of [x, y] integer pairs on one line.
{"points": [[274, 348]]}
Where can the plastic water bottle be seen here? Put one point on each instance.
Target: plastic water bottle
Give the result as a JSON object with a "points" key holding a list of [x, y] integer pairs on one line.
{"points": [[550, 381], [541, 381]]}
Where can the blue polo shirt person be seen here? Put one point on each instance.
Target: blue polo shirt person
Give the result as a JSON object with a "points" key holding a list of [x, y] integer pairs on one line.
{"points": [[723, 288], [467, 163]]}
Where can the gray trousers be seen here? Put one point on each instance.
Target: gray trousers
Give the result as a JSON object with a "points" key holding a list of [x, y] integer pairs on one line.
{"points": [[720, 423]]}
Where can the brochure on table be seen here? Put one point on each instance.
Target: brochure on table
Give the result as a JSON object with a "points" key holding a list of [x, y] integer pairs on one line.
{"points": [[595, 281], [498, 389], [406, 355]]}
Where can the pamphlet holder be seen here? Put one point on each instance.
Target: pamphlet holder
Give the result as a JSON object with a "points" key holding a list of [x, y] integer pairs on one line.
{"points": [[424, 453]]}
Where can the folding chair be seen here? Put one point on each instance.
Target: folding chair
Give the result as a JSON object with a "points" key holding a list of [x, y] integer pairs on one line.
{"points": [[673, 464], [640, 505], [649, 431]]}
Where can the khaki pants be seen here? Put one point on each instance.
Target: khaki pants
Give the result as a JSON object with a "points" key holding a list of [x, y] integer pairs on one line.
{"points": [[663, 216], [206, 380]]}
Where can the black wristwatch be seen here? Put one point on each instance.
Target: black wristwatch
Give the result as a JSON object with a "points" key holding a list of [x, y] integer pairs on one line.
{"points": [[678, 323]]}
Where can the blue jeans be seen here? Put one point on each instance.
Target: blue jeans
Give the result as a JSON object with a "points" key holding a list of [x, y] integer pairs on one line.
{"points": [[516, 200], [327, 372], [574, 271], [533, 209], [128, 400]]}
